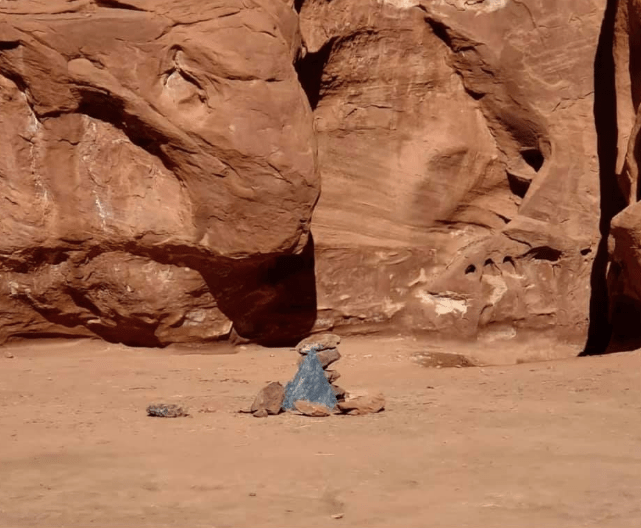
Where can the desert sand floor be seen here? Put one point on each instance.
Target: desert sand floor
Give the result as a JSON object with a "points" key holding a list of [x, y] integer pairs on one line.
{"points": [[554, 443]]}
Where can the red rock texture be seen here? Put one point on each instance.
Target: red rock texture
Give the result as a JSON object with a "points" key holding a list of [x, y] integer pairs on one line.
{"points": [[163, 159], [159, 171], [458, 155]]}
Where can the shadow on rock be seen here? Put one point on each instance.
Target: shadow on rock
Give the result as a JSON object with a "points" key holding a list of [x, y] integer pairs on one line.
{"points": [[605, 116], [272, 303]]}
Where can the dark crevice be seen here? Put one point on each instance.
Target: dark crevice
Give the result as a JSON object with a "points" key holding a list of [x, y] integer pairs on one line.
{"points": [[626, 321], [298, 5], [534, 158], [612, 201], [451, 38], [9, 45], [518, 186], [272, 303], [544, 253], [477, 96], [310, 70], [115, 4]]}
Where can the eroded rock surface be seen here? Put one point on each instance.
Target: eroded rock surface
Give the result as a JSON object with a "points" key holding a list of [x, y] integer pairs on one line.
{"points": [[161, 166], [158, 172], [457, 149]]}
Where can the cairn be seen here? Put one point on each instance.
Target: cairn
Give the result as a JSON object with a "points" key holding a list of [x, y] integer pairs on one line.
{"points": [[313, 390], [325, 347]]}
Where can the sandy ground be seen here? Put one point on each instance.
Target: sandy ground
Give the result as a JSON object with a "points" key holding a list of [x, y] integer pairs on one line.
{"points": [[530, 445]]}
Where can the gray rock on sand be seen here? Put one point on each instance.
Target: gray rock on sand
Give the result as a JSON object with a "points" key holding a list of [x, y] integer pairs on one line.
{"points": [[163, 410]]}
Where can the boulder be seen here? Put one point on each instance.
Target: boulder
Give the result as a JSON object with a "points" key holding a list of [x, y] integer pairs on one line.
{"points": [[158, 172]]}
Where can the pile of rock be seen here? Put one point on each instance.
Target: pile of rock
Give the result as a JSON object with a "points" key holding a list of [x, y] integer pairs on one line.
{"points": [[326, 348], [313, 391]]}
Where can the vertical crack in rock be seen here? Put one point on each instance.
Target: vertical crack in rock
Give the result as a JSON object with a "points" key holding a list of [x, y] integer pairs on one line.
{"points": [[611, 201], [310, 70], [115, 4], [618, 93]]}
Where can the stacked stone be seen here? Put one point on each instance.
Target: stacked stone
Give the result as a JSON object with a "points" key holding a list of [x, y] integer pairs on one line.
{"points": [[313, 391], [326, 348]]}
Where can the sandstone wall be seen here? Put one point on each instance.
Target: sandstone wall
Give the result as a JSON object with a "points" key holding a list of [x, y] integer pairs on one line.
{"points": [[159, 163], [162, 163], [458, 155]]}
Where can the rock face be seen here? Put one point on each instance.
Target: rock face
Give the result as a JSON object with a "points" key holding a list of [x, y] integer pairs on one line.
{"points": [[161, 163], [158, 172], [457, 150]]}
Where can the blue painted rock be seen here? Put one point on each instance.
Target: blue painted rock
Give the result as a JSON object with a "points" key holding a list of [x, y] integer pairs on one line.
{"points": [[309, 384]]}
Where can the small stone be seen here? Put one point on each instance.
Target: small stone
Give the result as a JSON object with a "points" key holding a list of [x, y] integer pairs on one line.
{"points": [[318, 343], [339, 392], [332, 375], [269, 398], [338, 516], [315, 410], [163, 410], [8, 355], [362, 405], [327, 357], [261, 413]]}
